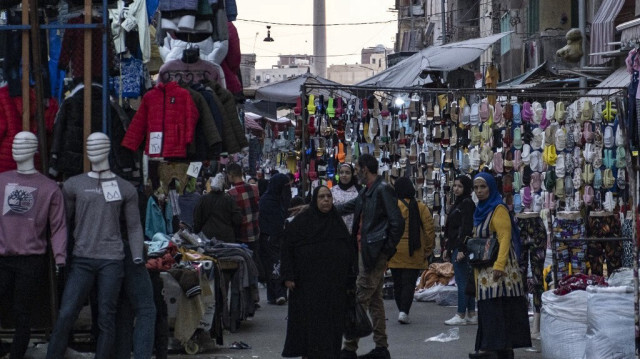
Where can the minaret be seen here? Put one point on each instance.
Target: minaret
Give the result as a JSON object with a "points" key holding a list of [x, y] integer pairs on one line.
{"points": [[319, 39]]}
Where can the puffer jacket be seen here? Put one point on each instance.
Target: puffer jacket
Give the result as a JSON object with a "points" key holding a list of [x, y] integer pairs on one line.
{"points": [[382, 226], [233, 138], [167, 108], [10, 125]]}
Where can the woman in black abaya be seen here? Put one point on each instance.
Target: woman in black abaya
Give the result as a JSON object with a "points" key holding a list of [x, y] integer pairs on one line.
{"points": [[317, 257]]}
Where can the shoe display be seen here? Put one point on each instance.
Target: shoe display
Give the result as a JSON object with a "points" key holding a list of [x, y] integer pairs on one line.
{"points": [[403, 318], [377, 353], [456, 320]]}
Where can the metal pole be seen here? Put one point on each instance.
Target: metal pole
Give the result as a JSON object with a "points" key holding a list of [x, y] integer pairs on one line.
{"points": [[105, 62], [582, 23], [303, 142], [444, 19], [26, 105], [87, 81], [37, 74]]}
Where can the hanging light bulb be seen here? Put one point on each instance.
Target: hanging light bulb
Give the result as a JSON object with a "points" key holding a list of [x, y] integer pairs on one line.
{"points": [[399, 102], [268, 38]]}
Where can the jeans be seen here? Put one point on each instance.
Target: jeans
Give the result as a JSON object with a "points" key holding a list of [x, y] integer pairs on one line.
{"points": [[270, 257], [84, 272], [20, 275], [404, 285], [369, 287], [136, 301], [461, 272]]}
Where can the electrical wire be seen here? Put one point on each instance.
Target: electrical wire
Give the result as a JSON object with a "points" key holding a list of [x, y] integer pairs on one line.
{"points": [[335, 24]]}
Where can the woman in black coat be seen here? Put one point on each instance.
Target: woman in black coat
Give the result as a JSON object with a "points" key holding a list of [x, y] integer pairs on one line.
{"points": [[317, 255], [460, 225]]}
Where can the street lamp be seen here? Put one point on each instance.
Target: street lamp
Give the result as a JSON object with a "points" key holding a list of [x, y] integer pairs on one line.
{"points": [[268, 38]]}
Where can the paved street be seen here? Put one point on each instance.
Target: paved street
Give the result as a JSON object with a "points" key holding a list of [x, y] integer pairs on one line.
{"points": [[265, 334]]}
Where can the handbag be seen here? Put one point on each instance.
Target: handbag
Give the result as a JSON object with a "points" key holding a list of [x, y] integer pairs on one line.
{"points": [[357, 322], [483, 252]]}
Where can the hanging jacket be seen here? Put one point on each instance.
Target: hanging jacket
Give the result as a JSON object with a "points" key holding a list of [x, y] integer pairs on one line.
{"points": [[169, 109], [206, 136], [67, 143], [155, 220], [231, 63], [10, 125], [233, 137]]}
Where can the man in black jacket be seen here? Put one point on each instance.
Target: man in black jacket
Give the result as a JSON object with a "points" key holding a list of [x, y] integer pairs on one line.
{"points": [[377, 226]]}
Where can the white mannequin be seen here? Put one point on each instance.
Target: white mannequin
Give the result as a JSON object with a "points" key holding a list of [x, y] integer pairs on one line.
{"points": [[25, 145], [98, 147]]}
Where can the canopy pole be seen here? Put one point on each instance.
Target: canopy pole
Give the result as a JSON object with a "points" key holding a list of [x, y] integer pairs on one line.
{"points": [[87, 82], [303, 141], [26, 106], [39, 91]]}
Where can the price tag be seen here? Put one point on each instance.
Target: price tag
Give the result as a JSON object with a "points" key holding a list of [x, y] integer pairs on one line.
{"points": [[155, 143], [194, 169], [111, 191]]}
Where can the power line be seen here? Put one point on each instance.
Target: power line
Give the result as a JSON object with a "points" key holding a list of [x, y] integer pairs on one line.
{"points": [[354, 54], [336, 24]]}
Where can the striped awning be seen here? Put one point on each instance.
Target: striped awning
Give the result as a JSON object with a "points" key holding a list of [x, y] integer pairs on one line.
{"points": [[603, 30]]}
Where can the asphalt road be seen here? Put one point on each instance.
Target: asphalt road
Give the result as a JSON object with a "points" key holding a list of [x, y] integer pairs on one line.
{"points": [[266, 333]]}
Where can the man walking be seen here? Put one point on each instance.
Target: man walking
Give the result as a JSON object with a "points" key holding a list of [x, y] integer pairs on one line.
{"points": [[377, 234]]}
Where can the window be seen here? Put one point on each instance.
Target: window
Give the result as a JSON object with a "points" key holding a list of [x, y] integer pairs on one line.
{"points": [[505, 25], [533, 17], [373, 61]]}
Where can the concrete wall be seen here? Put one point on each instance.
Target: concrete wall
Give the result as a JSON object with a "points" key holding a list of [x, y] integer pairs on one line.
{"points": [[248, 69], [351, 74], [269, 76]]}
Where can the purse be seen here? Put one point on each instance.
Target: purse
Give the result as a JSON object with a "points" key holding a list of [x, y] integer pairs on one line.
{"points": [[357, 322], [483, 252]]}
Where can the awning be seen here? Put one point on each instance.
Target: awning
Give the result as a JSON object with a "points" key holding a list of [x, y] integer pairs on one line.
{"points": [[288, 91], [517, 82], [618, 79], [446, 57], [250, 123], [602, 29]]}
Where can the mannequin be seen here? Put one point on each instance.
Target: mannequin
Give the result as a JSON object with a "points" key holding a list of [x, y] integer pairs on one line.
{"points": [[30, 200], [95, 203]]}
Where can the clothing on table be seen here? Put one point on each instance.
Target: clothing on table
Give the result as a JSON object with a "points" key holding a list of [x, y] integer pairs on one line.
{"points": [[167, 112], [33, 208], [310, 241], [599, 251], [343, 196], [96, 222], [247, 200], [217, 215], [571, 252], [534, 249]]}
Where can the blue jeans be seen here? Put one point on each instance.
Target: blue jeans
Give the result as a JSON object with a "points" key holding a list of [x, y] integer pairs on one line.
{"points": [[84, 272], [136, 301], [461, 271]]}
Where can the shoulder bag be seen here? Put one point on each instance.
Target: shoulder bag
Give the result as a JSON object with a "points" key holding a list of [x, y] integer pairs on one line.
{"points": [[482, 252]]}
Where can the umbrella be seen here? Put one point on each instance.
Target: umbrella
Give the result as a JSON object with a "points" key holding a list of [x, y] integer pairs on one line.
{"points": [[446, 57]]}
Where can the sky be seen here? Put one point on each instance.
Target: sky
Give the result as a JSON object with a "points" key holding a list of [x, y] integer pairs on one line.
{"points": [[344, 43]]}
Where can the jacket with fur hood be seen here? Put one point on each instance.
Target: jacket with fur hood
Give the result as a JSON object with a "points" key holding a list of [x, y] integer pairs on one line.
{"points": [[169, 109]]}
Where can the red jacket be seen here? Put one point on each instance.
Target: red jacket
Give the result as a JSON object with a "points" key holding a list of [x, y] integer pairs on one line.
{"points": [[167, 108], [10, 125]]}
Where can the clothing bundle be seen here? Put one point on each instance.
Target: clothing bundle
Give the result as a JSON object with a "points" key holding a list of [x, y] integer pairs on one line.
{"points": [[578, 282]]}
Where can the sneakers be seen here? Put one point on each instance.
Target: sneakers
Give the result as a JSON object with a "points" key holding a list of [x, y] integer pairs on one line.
{"points": [[281, 301], [457, 320], [403, 318], [472, 320], [377, 353]]}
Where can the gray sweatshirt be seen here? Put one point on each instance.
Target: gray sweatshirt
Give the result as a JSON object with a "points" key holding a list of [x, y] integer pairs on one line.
{"points": [[96, 222]]}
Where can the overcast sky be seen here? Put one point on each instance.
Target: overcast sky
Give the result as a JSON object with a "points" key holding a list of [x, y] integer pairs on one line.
{"points": [[343, 42]]}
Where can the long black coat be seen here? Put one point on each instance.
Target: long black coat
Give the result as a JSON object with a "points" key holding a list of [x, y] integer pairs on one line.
{"points": [[319, 261]]}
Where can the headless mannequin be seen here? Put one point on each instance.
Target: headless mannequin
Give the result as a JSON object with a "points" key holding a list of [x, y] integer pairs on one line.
{"points": [[34, 201]]}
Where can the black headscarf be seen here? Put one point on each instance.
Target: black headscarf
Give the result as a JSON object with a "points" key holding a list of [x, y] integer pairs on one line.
{"points": [[354, 179], [405, 191], [316, 226]]}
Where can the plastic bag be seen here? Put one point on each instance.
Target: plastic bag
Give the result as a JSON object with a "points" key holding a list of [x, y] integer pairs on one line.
{"points": [[563, 325], [622, 277], [450, 335], [610, 323], [428, 294], [447, 296], [358, 324]]}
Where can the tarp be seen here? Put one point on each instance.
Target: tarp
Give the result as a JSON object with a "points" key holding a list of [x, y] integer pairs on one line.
{"points": [[288, 91], [446, 57]]}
